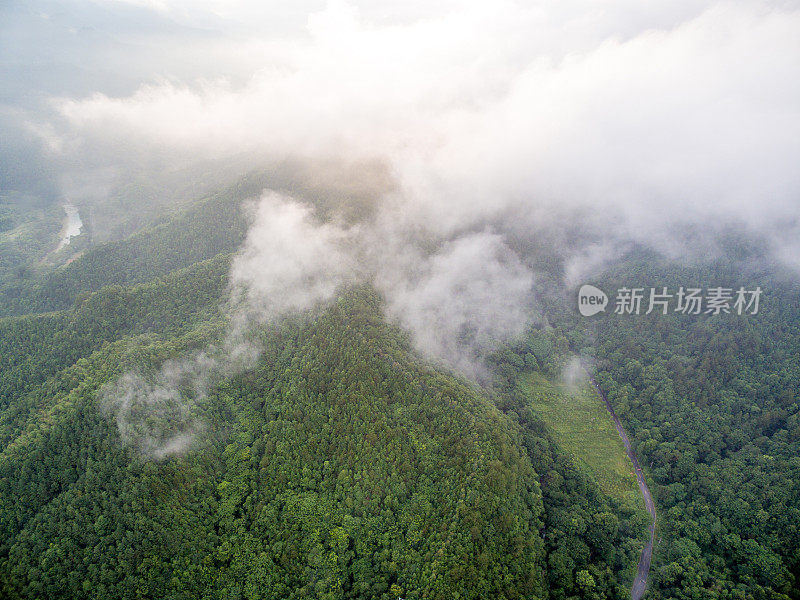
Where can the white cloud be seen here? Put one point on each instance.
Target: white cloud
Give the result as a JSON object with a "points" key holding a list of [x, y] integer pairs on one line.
{"points": [[462, 301], [491, 107], [288, 262], [627, 119]]}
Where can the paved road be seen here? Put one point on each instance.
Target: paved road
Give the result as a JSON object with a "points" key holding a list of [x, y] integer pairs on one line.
{"points": [[640, 582]]}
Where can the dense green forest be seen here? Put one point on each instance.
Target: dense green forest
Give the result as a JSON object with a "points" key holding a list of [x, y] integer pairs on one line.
{"points": [[343, 465], [196, 233], [712, 405], [340, 466]]}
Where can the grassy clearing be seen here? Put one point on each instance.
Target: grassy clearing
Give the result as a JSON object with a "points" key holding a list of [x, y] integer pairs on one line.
{"points": [[584, 428]]}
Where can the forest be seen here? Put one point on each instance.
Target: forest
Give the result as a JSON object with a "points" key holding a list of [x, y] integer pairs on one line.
{"points": [[348, 300], [342, 464]]}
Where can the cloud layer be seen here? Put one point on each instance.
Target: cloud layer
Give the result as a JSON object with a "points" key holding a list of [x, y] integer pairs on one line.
{"points": [[495, 108], [567, 126]]}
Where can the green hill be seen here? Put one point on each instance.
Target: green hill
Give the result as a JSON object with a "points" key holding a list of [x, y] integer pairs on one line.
{"points": [[197, 232], [341, 465]]}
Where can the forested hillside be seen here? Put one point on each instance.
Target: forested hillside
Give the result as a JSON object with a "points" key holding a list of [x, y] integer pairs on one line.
{"points": [[382, 300], [712, 406], [339, 466], [195, 233]]}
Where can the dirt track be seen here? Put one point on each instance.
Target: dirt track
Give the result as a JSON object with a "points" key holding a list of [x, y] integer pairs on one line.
{"points": [[640, 581]]}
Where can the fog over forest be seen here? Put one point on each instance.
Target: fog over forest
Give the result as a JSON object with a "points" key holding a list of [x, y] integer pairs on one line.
{"points": [[468, 136], [290, 308], [488, 128]]}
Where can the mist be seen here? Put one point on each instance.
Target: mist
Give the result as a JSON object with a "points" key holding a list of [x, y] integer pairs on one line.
{"points": [[526, 118], [489, 129], [153, 413]]}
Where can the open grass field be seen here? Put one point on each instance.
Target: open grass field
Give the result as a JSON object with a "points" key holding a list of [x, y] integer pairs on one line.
{"points": [[584, 428]]}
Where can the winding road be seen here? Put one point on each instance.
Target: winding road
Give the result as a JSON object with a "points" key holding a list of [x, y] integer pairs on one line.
{"points": [[640, 581]]}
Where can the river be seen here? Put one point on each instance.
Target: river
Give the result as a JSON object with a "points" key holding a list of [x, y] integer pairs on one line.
{"points": [[71, 227]]}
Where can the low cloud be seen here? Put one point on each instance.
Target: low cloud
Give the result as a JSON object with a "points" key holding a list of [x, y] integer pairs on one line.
{"points": [[504, 134], [463, 300], [575, 373], [289, 262], [153, 413], [158, 414], [460, 297], [644, 122]]}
